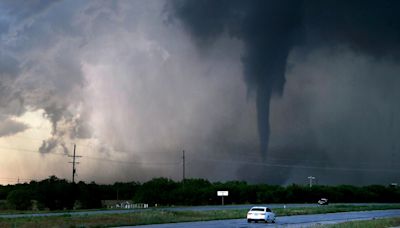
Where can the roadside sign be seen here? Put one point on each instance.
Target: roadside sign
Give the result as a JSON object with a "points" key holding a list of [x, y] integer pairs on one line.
{"points": [[222, 193]]}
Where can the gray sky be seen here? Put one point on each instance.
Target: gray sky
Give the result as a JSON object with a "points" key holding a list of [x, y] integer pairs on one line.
{"points": [[132, 86]]}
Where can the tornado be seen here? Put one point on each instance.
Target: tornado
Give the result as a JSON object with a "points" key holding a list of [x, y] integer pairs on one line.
{"points": [[268, 29]]}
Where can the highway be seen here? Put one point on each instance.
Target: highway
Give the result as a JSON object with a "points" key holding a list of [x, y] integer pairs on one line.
{"points": [[294, 221], [193, 208], [122, 211]]}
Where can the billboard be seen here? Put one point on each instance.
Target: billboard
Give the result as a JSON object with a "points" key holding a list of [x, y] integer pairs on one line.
{"points": [[222, 193]]}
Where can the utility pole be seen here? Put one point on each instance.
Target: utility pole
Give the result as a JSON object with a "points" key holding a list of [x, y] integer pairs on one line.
{"points": [[183, 165], [73, 163], [311, 178]]}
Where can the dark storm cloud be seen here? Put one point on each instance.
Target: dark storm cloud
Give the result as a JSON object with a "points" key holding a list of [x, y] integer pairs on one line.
{"points": [[19, 14], [10, 127], [25, 9], [9, 67], [11, 100], [48, 145], [339, 109], [39, 68], [113, 76], [271, 29], [369, 27]]}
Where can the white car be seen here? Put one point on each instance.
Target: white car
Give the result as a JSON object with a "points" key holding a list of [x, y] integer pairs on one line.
{"points": [[323, 201], [260, 214]]}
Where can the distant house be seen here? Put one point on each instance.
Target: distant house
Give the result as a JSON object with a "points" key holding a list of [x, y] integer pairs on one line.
{"points": [[122, 204]]}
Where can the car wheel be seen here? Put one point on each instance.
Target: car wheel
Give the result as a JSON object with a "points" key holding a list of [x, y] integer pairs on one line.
{"points": [[266, 221], [273, 221], [248, 220]]}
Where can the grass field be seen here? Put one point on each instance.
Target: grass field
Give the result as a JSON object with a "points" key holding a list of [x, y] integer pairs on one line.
{"points": [[333, 209], [152, 216], [376, 223]]}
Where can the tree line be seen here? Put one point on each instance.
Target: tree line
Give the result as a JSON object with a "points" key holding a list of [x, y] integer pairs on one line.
{"points": [[59, 194]]}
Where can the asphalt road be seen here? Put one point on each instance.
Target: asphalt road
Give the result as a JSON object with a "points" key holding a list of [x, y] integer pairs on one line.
{"points": [[194, 208], [287, 221], [122, 211]]}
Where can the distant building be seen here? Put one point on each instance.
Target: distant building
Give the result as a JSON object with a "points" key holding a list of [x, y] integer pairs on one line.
{"points": [[122, 204]]}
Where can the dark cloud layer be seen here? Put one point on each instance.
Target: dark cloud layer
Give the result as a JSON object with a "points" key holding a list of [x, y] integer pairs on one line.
{"points": [[39, 71], [10, 127], [112, 75], [271, 29], [125, 84]]}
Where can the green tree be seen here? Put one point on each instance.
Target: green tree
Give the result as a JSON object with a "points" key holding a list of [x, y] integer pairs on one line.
{"points": [[55, 194], [19, 199], [194, 192], [157, 191]]}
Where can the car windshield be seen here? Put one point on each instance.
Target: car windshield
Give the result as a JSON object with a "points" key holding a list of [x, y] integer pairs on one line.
{"points": [[257, 209]]}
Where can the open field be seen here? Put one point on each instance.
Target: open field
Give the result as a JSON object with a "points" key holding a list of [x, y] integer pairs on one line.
{"points": [[163, 216], [332, 209], [375, 223]]}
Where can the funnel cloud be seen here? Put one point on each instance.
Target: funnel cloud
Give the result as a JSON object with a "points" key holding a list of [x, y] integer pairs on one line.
{"points": [[287, 89], [271, 29]]}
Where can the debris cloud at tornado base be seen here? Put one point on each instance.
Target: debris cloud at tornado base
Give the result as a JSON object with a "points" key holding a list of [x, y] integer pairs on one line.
{"points": [[278, 35]]}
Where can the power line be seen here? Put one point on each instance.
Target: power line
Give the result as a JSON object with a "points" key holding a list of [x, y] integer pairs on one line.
{"points": [[73, 164], [93, 158], [275, 164], [183, 165], [32, 151], [133, 162], [18, 180], [256, 156], [246, 155], [300, 166]]}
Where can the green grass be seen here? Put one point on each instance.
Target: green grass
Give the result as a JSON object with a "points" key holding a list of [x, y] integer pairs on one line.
{"points": [[153, 216], [333, 209], [135, 218], [10, 211], [375, 223]]}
